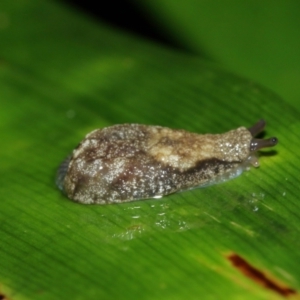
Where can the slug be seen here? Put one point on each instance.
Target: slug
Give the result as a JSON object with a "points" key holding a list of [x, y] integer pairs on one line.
{"points": [[130, 162]]}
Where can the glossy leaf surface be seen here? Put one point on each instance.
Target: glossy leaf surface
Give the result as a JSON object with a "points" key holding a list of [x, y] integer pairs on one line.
{"points": [[62, 76]]}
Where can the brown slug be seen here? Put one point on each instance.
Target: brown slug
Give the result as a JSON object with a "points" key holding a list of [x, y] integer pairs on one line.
{"points": [[130, 162]]}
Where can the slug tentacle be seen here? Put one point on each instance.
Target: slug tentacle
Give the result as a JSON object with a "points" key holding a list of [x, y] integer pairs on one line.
{"points": [[257, 144], [131, 162], [257, 127]]}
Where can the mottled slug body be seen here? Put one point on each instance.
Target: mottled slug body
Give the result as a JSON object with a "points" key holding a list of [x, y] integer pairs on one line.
{"points": [[130, 162]]}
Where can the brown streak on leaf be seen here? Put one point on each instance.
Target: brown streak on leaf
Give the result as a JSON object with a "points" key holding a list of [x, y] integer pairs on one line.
{"points": [[258, 276]]}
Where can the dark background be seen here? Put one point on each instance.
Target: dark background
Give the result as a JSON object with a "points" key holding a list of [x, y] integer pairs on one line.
{"points": [[125, 15]]}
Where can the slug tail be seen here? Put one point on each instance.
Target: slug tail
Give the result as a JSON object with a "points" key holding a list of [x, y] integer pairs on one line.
{"points": [[61, 173]]}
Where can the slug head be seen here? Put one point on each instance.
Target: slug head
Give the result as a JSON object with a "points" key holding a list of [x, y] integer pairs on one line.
{"points": [[257, 144]]}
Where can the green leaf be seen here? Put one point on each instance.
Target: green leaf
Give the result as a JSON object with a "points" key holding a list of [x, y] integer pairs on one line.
{"points": [[63, 75], [259, 39]]}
